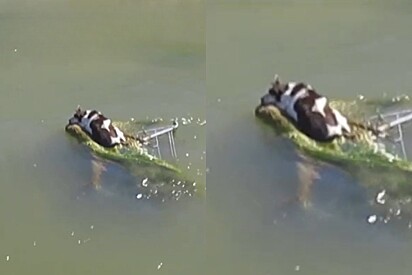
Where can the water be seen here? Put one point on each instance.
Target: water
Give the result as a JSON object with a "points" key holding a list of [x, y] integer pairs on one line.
{"points": [[148, 59], [343, 48], [128, 59]]}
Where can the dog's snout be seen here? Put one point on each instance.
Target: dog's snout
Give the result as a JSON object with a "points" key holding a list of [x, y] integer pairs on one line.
{"points": [[262, 101]]}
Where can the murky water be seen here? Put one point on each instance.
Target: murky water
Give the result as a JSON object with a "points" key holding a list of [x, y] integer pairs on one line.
{"points": [[148, 59], [343, 48], [128, 59]]}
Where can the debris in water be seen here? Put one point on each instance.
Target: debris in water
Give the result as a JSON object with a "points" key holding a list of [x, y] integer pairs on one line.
{"points": [[144, 182], [92, 227], [72, 234], [202, 123], [219, 100], [15, 50], [372, 219], [159, 266], [297, 268], [380, 197], [79, 241], [34, 243], [86, 240], [361, 97], [398, 212], [187, 154], [139, 196], [7, 258], [34, 165], [194, 137]]}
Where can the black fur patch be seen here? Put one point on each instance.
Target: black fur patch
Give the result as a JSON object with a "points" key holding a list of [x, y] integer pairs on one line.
{"points": [[298, 87], [92, 113]]}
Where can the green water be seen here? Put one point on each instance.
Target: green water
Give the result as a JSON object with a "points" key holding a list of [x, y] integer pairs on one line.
{"points": [[126, 59], [342, 48], [207, 60]]}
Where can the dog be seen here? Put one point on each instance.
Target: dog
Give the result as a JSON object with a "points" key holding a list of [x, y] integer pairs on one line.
{"points": [[98, 127], [309, 110]]}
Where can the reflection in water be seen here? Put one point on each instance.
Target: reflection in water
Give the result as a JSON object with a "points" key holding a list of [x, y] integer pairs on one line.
{"points": [[307, 175]]}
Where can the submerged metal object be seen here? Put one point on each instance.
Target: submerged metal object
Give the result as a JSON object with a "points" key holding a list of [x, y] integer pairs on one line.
{"points": [[152, 139], [391, 126]]}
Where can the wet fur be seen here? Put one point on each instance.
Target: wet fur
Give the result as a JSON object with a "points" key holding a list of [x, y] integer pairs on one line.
{"points": [[309, 111], [98, 127]]}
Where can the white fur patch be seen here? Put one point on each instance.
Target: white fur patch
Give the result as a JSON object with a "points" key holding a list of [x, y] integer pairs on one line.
{"points": [[287, 102], [291, 108], [285, 98], [120, 136], [85, 123], [342, 121], [319, 106], [342, 124], [335, 130], [106, 124]]}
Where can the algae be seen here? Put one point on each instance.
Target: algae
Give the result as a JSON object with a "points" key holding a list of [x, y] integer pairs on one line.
{"points": [[361, 157], [160, 179]]}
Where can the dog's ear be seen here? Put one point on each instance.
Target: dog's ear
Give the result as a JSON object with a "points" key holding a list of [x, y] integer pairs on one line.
{"points": [[276, 79], [79, 111], [276, 85]]}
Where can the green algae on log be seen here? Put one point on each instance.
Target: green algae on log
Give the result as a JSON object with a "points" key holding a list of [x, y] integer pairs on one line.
{"points": [[375, 168], [164, 179]]}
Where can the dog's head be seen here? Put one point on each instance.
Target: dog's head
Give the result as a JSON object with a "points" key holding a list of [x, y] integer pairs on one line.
{"points": [[274, 94], [77, 117]]}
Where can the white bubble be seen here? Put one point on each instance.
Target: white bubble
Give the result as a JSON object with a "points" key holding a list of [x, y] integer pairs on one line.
{"points": [[372, 219], [139, 196], [159, 266], [380, 197]]}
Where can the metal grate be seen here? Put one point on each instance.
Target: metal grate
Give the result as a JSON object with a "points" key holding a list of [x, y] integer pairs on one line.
{"points": [[153, 139], [390, 124]]}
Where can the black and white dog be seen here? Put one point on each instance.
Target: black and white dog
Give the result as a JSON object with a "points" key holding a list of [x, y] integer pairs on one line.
{"points": [[99, 127], [310, 111]]}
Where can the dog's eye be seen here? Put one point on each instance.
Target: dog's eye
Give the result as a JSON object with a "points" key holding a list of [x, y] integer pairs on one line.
{"points": [[272, 91]]}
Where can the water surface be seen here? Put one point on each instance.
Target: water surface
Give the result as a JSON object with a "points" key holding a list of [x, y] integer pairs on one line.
{"points": [[343, 48], [128, 59]]}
